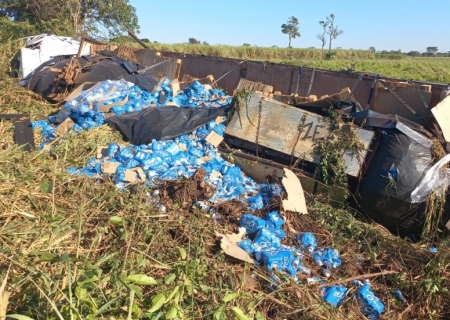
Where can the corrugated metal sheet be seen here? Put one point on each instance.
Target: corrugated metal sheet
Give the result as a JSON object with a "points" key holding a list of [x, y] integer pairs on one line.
{"points": [[278, 131]]}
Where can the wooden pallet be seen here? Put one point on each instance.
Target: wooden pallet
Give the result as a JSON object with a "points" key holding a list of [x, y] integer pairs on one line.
{"points": [[64, 80]]}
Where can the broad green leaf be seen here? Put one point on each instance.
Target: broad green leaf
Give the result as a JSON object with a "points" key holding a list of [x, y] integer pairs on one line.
{"points": [[46, 187], [136, 289], [231, 296], [172, 313], [182, 253], [239, 313], [170, 278], [80, 293], [141, 279], [116, 220], [157, 302], [260, 316], [219, 314], [174, 292], [18, 317]]}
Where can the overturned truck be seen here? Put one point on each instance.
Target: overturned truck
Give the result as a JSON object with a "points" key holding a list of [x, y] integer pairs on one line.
{"points": [[378, 143]]}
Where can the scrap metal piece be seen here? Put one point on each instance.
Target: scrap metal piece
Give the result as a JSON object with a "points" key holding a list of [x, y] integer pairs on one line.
{"points": [[278, 131]]}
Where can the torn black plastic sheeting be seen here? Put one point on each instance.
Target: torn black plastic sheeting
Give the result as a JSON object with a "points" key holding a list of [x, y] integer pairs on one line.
{"points": [[161, 123]]}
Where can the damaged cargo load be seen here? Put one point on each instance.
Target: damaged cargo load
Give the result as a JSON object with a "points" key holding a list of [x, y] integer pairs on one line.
{"points": [[279, 117]]}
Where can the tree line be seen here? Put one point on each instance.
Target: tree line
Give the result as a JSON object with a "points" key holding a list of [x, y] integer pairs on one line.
{"points": [[429, 52]]}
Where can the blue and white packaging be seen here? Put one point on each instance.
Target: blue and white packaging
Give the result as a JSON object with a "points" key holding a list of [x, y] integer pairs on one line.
{"points": [[307, 241], [334, 295], [251, 224], [369, 304]]}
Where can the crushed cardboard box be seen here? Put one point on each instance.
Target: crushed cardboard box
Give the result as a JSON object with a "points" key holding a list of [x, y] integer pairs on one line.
{"points": [[229, 245], [295, 201]]}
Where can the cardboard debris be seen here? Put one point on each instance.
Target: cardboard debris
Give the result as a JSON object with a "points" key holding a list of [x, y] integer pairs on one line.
{"points": [[134, 175], [442, 114], [65, 126], [203, 160], [183, 147], [175, 86], [102, 152], [295, 201], [215, 174], [249, 282], [110, 167], [214, 139], [219, 120], [229, 245]]}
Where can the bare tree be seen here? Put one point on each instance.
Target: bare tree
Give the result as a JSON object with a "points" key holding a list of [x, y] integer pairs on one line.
{"points": [[321, 36], [291, 28], [333, 30]]}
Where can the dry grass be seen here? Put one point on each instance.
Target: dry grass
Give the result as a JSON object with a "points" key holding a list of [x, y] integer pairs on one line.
{"points": [[70, 260]]}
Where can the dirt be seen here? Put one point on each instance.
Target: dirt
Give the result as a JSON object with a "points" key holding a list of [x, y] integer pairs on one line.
{"points": [[185, 193]]}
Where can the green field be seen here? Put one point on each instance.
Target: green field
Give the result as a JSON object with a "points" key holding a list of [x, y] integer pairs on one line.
{"points": [[434, 69], [76, 249]]}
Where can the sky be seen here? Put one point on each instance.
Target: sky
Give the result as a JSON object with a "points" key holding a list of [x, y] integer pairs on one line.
{"points": [[384, 24]]}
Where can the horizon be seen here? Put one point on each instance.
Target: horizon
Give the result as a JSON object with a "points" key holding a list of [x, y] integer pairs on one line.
{"points": [[401, 25]]}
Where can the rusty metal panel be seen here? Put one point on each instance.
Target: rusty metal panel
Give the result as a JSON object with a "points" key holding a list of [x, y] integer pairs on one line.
{"points": [[385, 102], [278, 130]]}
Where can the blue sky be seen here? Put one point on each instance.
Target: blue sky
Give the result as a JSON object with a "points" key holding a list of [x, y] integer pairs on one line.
{"points": [[386, 25]]}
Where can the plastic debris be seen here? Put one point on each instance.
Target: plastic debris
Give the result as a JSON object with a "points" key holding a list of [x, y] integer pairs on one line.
{"points": [[315, 280], [400, 296], [334, 295], [325, 273], [88, 109], [369, 304], [433, 249], [307, 242], [329, 258]]}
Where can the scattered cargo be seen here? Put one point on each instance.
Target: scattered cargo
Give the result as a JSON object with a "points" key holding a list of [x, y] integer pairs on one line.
{"points": [[256, 141]]}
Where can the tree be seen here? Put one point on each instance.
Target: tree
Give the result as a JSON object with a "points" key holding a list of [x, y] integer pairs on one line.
{"points": [[205, 43], [432, 50], [73, 17], [291, 29], [413, 54], [246, 44], [194, 41], [321, 36], [333, 31], [372, 49]]}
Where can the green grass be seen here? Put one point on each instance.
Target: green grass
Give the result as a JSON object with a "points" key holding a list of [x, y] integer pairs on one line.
{"points": [[80, 249], [424, 69]]}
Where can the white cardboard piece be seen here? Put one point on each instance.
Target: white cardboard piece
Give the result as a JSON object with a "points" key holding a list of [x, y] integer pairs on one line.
{"points": [[229, 245], [110, 167], [295, 201], [214, 139], [442, 115]]}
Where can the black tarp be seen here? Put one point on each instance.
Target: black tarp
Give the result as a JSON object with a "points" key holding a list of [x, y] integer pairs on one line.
{"points": [[161, 123], [98, 69], [401, 160]]}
